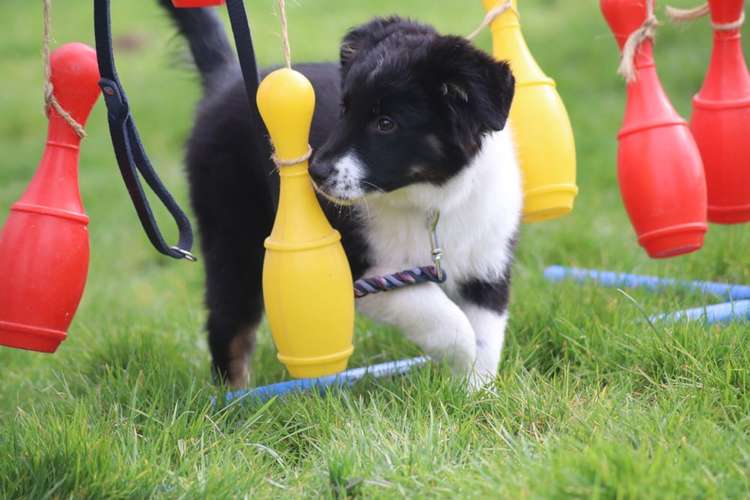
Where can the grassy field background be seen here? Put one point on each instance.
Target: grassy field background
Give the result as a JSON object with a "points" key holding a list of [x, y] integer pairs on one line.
{"points": [[589, 401]]}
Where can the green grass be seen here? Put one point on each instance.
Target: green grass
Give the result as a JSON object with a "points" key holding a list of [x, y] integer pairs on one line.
{"points": [[589, 401]]}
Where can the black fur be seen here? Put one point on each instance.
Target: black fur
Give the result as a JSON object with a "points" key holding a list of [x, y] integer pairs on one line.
{"points": [[492, 295], [430, 85], [206, 36]]}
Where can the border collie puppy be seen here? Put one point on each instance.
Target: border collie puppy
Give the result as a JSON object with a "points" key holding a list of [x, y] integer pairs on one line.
{"points": [[408, 122]]}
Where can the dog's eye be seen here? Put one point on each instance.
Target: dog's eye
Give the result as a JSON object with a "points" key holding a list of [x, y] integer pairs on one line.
{"points": [[385, 125]]}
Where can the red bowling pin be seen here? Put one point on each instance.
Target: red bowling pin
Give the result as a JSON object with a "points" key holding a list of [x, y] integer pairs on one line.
{"points": [[721, 119], [44, 247], [659, 166]]}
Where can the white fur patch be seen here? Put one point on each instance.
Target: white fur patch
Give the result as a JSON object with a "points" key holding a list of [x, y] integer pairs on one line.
{"points": [[480, 213], [489, 329], [346, 180], [428, 318]]}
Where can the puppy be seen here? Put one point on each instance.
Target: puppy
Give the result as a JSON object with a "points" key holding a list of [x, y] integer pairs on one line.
{"points": [[408, 122]]}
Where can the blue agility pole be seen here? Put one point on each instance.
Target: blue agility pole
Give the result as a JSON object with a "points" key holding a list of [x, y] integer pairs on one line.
{"points": [[624, 280], [718, 313], [347, 378]]}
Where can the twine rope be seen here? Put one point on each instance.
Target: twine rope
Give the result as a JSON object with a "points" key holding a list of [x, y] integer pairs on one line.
{"points": [[685, 15], [634, 41], [49, 90], [491, 15], [288, 62], [294, 161], [285, 34]]}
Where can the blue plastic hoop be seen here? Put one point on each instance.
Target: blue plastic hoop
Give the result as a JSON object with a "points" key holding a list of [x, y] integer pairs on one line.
{"points": [[322, 384], [612, 279]]}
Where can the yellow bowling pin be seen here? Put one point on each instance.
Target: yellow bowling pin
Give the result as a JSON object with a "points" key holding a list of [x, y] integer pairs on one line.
{"points": [[540, 124], [307, 282]]}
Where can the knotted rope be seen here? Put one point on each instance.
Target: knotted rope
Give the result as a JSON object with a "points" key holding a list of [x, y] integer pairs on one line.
{"points": [[294, 161], [49, 91], [288, 62], [409, 277], [491, 15], [685, 15], [634, 41]]}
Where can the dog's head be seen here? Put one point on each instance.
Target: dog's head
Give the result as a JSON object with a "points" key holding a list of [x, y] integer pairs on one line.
{"points": [[415, 107]]}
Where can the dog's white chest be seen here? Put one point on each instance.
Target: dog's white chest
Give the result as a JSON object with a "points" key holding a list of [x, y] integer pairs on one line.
{"points": [[480, 212]]}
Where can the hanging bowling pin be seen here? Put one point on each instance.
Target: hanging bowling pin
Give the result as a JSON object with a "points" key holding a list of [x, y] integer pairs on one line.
{"points": [[44, 247], [307, 282], [659, 167], [540, 124], [721, 120]]}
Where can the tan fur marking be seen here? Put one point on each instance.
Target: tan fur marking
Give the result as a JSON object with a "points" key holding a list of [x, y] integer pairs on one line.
{"points": [[239, 352]]}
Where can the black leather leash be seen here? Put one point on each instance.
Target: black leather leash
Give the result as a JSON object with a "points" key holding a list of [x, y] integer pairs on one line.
{"points": [[243, 42], [129, 151], [131, 156]]}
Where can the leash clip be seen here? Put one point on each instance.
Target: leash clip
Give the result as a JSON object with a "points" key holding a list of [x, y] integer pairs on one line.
{"points": [[184, 254], [437, 253]]}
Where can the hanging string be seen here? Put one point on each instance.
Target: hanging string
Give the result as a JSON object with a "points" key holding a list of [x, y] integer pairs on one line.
{"points": [[681, 15], [285, 34], [491, 15], [288, 62], [684, 15], [50, 101], [634, 41]]}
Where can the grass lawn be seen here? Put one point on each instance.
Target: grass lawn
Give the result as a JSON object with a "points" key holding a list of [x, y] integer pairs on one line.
{"points": [[589, 401]]}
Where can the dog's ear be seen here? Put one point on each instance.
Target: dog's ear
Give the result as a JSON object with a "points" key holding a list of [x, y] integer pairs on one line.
{"points": [[477, 89], [365, 37], [350, 47]]}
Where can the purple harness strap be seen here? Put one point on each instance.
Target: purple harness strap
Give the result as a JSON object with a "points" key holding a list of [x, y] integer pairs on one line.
{"points": [[402, 279]]}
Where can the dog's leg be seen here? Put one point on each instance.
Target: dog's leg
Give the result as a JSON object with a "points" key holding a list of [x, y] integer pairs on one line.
{"points": [[485, 303], [234, 299], [489, 327], [231, 344], [431, 320]]}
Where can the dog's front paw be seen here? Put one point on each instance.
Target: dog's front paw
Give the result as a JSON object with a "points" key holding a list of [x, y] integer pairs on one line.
{"points": [[461, 357], [479, 379]]}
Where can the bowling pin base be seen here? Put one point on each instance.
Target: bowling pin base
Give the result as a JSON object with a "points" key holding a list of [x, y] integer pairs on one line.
{"points": [[721, 129], [729, 215], [674, 240], [548, 202], [30, 338], [317, 367]]}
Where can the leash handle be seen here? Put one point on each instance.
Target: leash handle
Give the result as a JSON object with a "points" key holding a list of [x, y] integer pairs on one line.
{"points": [[129, 151]]}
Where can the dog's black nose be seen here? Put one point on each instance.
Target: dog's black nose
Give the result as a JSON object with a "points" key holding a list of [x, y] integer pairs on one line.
{"points": [[320, 171]]}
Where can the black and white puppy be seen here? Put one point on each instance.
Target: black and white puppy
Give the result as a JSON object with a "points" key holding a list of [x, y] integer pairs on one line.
{"points": [[410, 121]]}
